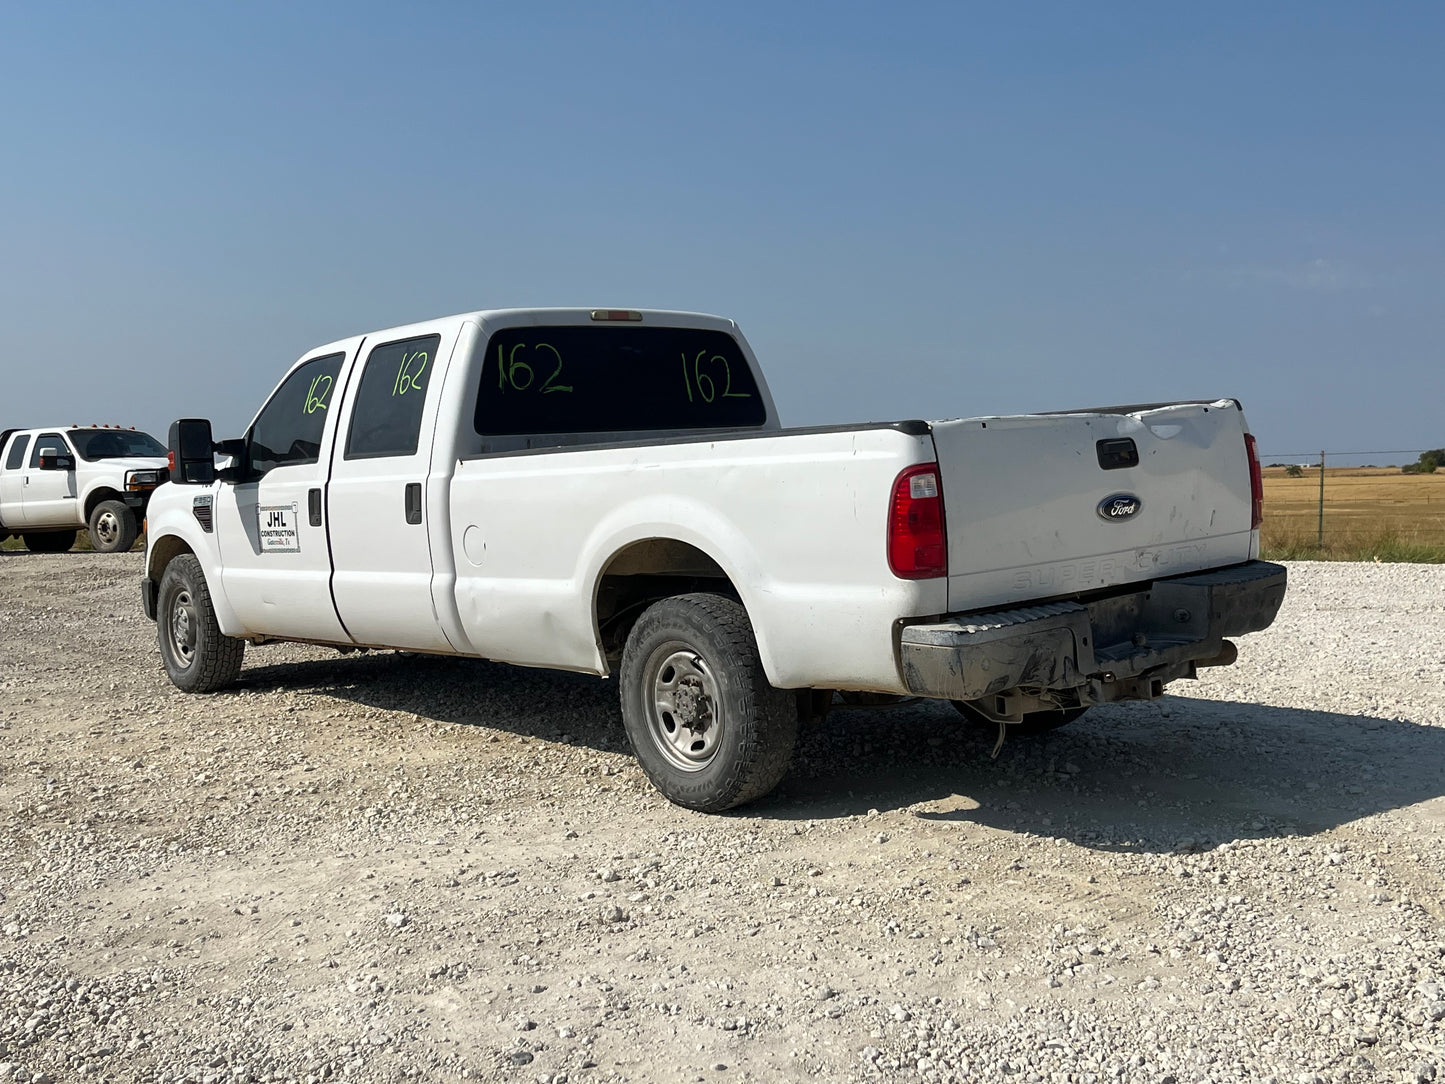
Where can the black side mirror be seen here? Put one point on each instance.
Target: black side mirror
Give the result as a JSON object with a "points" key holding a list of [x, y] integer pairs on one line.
{"points": [[53, 460], [192, 452]]}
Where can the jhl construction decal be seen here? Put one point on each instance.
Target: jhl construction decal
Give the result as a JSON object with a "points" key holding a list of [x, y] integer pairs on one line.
{"points": [[277, 523]]}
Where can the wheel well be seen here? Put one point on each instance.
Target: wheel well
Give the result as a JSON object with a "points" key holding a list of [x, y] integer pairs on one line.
{"points": [[644, 573], [163, 551], [98, 495]]}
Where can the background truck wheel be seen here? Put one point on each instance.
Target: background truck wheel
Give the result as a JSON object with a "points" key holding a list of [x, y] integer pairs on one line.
{"points": [[1034, 722], [198, 658], [113, 527], [49, 541], [707, 728]]}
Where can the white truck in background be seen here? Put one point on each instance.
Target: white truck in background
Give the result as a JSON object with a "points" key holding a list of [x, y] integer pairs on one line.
{"points": [[610, 491], [55, 481]]}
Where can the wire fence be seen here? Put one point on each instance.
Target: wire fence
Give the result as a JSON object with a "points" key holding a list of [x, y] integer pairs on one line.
{"points": [[1313, 500]]}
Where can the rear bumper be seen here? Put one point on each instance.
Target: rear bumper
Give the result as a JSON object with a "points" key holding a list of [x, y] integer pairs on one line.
{"points": [[1120, 647]]}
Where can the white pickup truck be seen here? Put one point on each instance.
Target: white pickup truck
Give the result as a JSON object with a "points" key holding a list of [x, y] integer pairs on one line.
{"points": [[56, 480], [609, 491]]}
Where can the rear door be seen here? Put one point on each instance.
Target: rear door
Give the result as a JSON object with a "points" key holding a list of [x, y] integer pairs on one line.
{"points": [[276, 566], [377, 495], [1047, 505], [12, 481]]}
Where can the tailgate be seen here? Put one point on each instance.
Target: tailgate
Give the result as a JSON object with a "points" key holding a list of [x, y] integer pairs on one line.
{"points": [[1043, 505]]}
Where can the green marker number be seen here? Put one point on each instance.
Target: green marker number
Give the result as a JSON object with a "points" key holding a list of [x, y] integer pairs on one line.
{"points": [[316, 394], [519, 376], [408, 373], [702, 381]]}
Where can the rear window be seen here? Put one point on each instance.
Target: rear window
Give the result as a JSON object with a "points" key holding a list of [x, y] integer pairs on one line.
{"points": [[614, 380]]}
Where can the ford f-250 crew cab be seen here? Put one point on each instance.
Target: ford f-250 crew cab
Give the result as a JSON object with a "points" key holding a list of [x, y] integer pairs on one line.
{"points": [[609, 491], [54, 481]]}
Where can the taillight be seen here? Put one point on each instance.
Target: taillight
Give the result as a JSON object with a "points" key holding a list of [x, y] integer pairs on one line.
{"points": [[1256, 484], [917, 544]]}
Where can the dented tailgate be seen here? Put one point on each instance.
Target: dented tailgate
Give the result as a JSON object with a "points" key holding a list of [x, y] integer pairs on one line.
{"points": [[1043, 505]]}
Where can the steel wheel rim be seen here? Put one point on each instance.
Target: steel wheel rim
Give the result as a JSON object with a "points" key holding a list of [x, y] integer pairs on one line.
{"points": [[107, 528], [684, 717], [183, 628]]}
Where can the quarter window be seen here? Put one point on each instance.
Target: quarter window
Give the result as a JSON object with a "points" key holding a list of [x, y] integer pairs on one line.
{"points": [[386, 419], [288, 429], [16, 458]]}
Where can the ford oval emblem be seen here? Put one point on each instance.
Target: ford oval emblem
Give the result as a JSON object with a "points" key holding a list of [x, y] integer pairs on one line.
{"points": [[1119, 506]]}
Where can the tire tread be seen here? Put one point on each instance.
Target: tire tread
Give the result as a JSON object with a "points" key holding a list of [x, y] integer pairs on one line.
{"points": [[768, 746], [219, 664]]}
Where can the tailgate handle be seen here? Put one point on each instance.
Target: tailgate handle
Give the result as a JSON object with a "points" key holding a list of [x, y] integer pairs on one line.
{"points": [[1118, 453], [413, 502], [313, 507]]}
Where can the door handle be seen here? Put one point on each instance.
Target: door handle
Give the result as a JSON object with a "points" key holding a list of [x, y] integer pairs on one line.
{"points": [[313, 506], [413, 502]]}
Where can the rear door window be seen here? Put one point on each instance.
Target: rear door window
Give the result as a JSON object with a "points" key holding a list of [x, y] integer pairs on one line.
{"points": [[609, 379], [386, 420], [16, 459]]}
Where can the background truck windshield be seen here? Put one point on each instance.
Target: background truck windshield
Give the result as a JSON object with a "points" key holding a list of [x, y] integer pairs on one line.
{"points": [[92, 444], [609, 379]]}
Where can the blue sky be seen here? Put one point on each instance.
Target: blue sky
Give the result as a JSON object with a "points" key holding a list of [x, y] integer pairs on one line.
{"points": [[913, 210]]}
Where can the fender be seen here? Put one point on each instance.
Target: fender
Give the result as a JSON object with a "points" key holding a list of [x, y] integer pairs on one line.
{"points": [[172, 529]]}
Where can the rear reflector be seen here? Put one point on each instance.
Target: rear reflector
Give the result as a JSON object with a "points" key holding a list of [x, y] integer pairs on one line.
{"points": [[917, 544], [617, 314], [1256, 484]]}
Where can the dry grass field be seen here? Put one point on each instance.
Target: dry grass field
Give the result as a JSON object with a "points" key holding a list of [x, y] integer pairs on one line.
{"points": [[1370, 513]]}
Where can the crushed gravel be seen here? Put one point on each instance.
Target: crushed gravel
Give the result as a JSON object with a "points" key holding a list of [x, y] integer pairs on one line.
{"points": [[386, 868]]}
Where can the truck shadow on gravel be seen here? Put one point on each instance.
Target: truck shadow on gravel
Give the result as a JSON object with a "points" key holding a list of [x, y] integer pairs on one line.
{"points": [[1175, 774], [1152, 777]]}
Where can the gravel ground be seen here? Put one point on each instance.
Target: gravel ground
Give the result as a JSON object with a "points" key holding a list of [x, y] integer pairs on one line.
{"points": [[382, 868]]}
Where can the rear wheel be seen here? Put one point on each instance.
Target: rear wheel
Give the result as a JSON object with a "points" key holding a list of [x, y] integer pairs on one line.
{"points": [[708, 729], [197, 656], [1034, 722], [113, 527], [49, 541]]}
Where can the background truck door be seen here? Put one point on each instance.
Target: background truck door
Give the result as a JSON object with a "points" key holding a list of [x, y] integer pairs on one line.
{"points": [[49, 494], [276, 568], [380, 548], [12, 481]]}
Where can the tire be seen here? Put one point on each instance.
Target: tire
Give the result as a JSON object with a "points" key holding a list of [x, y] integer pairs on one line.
{"points": [[113, 527], [49, 541], [198, 658], [708, 729], [1034, 722]]}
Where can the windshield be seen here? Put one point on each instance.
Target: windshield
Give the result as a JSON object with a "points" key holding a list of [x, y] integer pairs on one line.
{"points": [[93, 444]]}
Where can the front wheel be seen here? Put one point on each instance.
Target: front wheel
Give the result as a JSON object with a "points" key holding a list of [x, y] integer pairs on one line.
{"points": [[113, 527], [198, 657], [708, 729], [49, 541]]}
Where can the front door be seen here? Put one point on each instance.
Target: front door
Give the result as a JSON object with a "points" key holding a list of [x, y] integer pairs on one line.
{"points": [[50, 494], [276, 567], [377, 497]]}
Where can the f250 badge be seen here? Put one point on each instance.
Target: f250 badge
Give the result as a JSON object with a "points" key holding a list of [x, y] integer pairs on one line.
{"points": [[1119, 506]]}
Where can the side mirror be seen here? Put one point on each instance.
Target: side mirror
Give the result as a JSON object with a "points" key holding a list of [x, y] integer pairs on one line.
{"points": [[191, 455], [50, 459]]}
